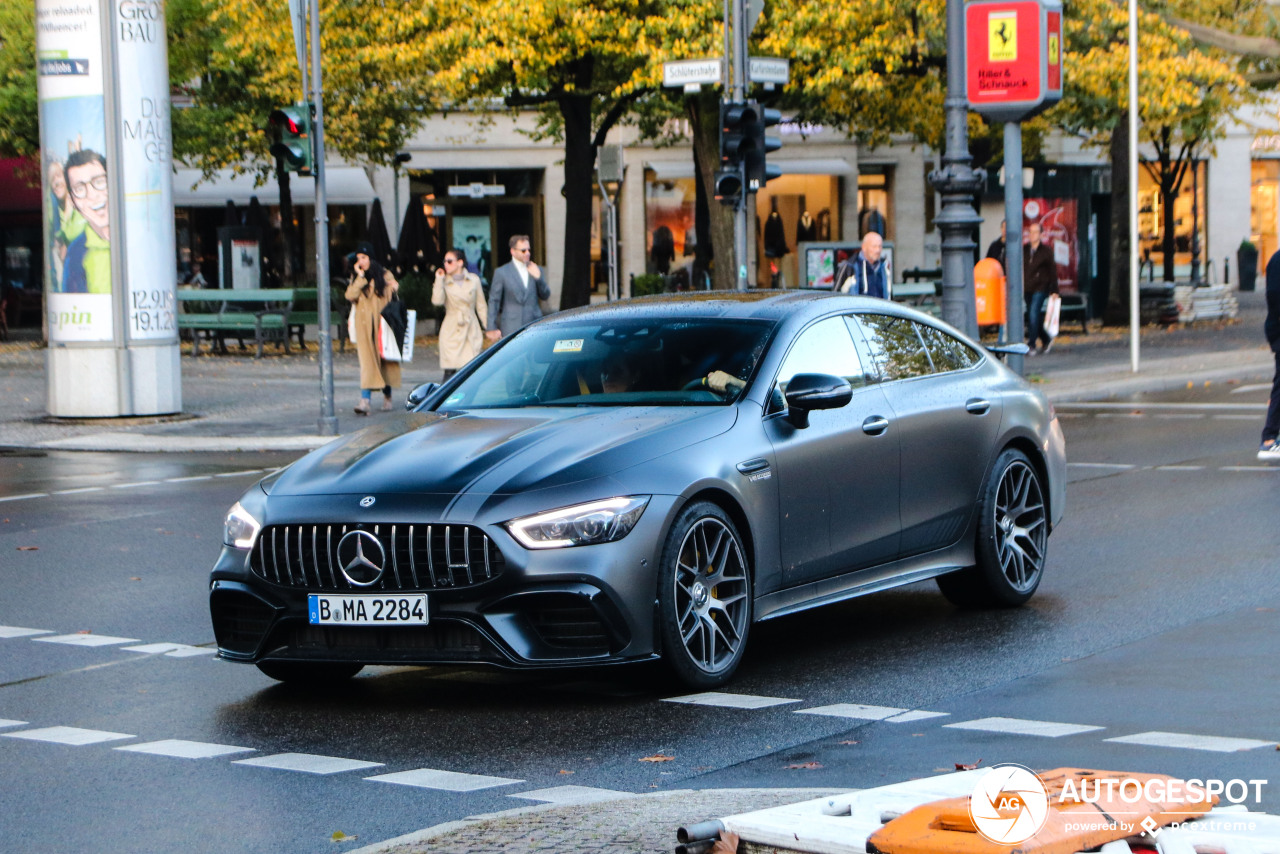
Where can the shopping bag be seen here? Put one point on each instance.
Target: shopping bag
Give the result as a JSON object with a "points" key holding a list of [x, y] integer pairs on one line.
{"points": [[388, 347], [1052, 313], [351, 324], [410, 329]]}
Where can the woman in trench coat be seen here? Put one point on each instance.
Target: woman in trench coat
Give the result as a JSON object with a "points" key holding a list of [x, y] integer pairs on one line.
{"points": [[465, 312], [369, 290]]}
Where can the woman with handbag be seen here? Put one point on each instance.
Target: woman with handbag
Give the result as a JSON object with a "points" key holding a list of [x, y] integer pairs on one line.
{"points": [[465, 312], [369, 290]]}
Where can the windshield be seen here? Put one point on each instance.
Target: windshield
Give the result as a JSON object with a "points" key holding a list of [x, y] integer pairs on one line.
{"points": [[644, 362]]}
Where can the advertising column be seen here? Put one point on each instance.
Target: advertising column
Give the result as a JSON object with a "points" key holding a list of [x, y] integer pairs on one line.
{"points": [[109, 235]]}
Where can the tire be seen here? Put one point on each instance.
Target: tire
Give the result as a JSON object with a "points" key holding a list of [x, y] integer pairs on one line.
{"points": [[1013, 530], [309, 673], [704, 597]]}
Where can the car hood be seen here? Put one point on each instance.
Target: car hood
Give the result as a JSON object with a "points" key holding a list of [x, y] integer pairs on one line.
{"points": [[498, 452]]}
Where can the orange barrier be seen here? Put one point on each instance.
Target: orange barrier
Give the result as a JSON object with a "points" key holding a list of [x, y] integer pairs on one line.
{"points": [[1085, 810], [989, 292]]}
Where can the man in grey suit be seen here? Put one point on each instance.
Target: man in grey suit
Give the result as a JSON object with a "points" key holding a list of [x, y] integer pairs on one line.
{"points": [[517, 287]]}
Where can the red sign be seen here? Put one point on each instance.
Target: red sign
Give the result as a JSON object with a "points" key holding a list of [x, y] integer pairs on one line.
{"points": [[1013, 57]]}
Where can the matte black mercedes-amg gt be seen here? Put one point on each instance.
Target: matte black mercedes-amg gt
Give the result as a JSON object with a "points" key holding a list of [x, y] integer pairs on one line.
{"points": [[647, 479]]}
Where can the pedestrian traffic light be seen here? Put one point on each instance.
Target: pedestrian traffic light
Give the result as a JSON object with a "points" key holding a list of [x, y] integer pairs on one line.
{"points": [[758, 172], [294, 145]]}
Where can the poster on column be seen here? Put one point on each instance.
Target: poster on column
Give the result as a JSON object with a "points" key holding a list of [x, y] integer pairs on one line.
{"points": [[1059, 228], [145, 158], [77, 225]]}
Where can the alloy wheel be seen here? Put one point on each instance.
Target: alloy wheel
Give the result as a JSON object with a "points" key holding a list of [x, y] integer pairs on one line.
{"points": [[711, 594], [1021, 526]]}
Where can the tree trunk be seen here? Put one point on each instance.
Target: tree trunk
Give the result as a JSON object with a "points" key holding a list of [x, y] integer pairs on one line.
{"points": [[1117, 310], [704, 118], [579, 164], [1168, 242]]}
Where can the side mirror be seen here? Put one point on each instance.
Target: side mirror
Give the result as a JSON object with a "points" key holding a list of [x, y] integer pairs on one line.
{"points": [[420, 394], [807, 392]]}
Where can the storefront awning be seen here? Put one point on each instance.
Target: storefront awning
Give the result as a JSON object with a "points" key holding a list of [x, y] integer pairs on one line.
{"points": [[344, 185], [667, 169]]}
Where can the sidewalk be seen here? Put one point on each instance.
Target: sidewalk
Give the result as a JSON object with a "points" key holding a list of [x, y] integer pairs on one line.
{"points": [[236, 402]]}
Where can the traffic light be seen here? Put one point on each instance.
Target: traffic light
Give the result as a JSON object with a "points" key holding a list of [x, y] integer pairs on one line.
{"points": [[735, 118], [728, 186], [294, 145], [758, 172]]}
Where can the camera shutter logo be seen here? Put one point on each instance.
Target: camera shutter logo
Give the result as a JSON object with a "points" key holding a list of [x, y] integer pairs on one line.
{"points": [[361, 558], [1009, 804]]}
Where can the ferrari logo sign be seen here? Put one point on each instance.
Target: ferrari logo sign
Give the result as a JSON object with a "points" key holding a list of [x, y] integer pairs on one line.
{"points": [[1002, 37], [1053, 48]]}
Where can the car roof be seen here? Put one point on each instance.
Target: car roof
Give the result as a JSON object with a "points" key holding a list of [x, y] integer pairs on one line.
{"points": [[772, 305]]}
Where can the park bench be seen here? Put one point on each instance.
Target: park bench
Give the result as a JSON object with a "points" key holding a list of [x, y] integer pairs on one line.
{"points": [[306, 312], [217, 313]]}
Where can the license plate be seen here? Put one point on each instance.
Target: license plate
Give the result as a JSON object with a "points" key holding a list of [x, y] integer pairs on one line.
{"points": [[366, 610]]}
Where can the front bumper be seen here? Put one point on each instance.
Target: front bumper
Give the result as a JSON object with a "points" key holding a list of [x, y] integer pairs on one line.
{"points": [[544, 608]]}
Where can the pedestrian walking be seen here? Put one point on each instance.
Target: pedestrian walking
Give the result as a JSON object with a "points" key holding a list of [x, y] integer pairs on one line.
{"points": [[996, 250], [1039, 280], [465, 312], [369, 290], [866, 272], [1270, 448], [517, 287]]}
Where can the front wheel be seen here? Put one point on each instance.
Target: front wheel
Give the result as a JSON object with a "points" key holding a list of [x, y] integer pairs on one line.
{"points": [[1013, 530], [309, 673], [704, 597]]}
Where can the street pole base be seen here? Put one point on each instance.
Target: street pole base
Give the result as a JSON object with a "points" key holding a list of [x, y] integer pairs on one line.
{"points": [[329, 426]]}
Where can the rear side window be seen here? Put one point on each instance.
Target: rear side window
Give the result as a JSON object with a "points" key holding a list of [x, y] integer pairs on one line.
{"points": [[948, 352], [896, 347]]}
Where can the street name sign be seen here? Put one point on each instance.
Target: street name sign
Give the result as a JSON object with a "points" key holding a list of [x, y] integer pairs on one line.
{"points": [[684, 72], [767, 69]]}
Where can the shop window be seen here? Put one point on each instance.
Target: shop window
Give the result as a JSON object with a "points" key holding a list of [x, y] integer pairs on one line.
{"points": [[1189, 214], [1265, 208], [875, 199]]}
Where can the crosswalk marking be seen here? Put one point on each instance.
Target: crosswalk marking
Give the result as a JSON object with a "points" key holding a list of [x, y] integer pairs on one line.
{"points": [[86, 640], [448, 781], [308, 763], [730, 701], [4, 723], [17, 632], [1214, 743], [67, 735], [568, 795], [1018, 726], [180, 749], [1101, 465], [173, 650], [870, 713]]}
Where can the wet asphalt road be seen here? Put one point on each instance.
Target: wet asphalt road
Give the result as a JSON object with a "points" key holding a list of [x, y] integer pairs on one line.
{"points": [[1159, 612]]}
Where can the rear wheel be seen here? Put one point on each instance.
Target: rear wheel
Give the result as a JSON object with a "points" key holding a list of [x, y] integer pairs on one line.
{"points": [[1013, 530], [704, 597], [309, 672]]}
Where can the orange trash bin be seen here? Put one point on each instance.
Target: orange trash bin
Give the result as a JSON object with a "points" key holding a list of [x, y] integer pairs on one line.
{"points": [[989, 292]]}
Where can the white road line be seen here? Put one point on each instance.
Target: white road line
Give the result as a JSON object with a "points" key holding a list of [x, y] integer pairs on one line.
{"points": [[446, 781], [188, 479], [5, 723], [730, 701], [21, 497], [79, 490], [18, 632], [1017, 726], [239, 473], [1179, 468], [1101, 465], [86, 640], [1236, 417], [869, 713], [1215, 743], [1245, 389], [139, 483], [1181, 416], [67, 735], [1121, 415], [307, 763], [1102, 406], [180, 749], [568, 795], [172, 650], [1271, 469]]}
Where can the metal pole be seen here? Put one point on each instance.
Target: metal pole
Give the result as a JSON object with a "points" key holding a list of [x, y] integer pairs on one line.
{"points": [[1013, 238], [958, 182], [1134, 293], [1195, 220], [328, 421], [738, 93]]}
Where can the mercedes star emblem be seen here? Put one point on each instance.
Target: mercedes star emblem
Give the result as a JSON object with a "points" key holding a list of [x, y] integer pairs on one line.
{"points": [[361, 558], [367, 501]]}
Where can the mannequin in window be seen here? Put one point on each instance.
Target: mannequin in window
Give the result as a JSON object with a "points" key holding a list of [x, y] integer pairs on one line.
{"points": [[806, 228], [664, 249], [824, 224], [871, 220]]}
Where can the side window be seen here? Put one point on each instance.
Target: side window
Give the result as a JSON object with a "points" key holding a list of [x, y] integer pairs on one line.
{"points": [[949, 353], [896, 346], [824, 348]]}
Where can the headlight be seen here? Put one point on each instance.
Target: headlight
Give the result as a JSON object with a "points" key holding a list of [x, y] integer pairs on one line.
{"points": [[580, 525], [240, 529]]}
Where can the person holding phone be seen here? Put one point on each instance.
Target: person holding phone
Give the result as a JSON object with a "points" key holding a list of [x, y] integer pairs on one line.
{"points": [[369, 290], [517, 287]]}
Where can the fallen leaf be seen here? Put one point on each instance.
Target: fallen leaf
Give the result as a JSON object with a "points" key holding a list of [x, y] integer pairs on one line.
{"points": [[804, 766], [848, 742], [658, 757], [562, 771], [134, 578], [85, 632], [28, 548], [339, 836], [960, 766]]}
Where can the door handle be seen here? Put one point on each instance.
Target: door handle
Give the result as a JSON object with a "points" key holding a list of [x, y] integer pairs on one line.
{"points": [[875, 425], [977, 406]]}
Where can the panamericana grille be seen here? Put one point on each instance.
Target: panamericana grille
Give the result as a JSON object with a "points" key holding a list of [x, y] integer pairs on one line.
{"points": [[418, 557]]}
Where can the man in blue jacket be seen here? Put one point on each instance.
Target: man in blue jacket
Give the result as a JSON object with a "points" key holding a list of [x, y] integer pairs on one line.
{"points": [[1270, 449], [865, 273]]}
